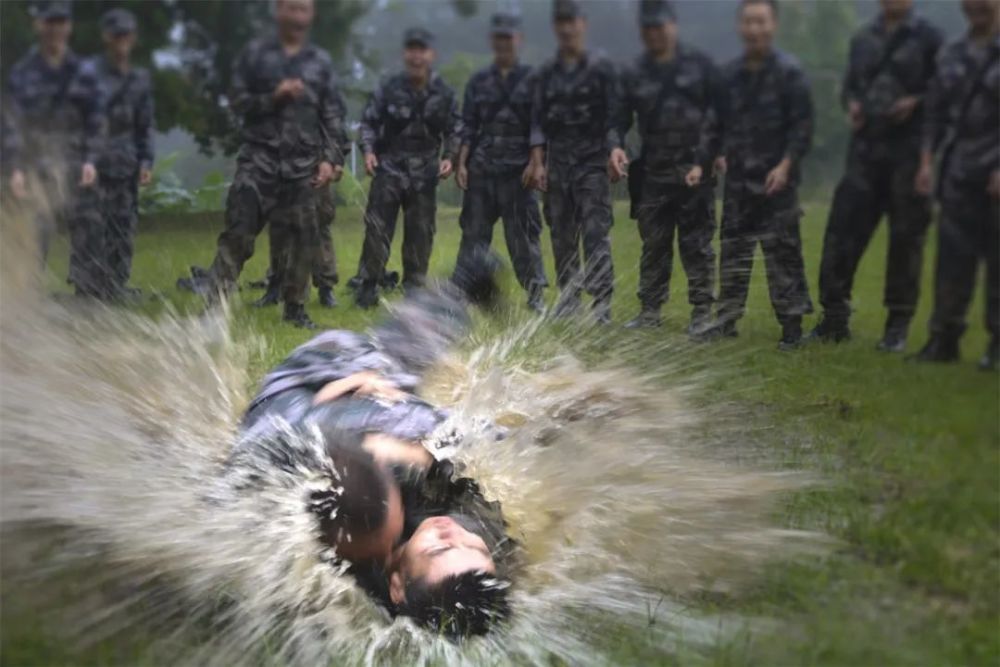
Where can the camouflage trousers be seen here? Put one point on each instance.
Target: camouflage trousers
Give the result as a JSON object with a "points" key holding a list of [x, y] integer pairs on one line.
{"points": [[968, 234], [120, 210], [388, 193], [255, 199], [577, 207], [664, 209], [493, 196], [867, 191], [324, 261], [749, 219]]}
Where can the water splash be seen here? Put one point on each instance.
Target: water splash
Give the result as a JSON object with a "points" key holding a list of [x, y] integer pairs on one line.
{"points": [[113, 427]]}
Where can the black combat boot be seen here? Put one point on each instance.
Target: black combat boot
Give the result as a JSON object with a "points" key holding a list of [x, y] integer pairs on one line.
{"points": [[536, 300], [990, 360], [721, 329], [941, 348], [567, 306], [791, 334], [367, 295], [602, 312], [326, 297], [896, 328], [701, 321], [271, 297], [648, 318], [296, 314], [830, 330]]}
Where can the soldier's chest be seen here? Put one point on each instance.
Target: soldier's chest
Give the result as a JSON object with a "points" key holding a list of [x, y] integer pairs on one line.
{"points": [[273, 66], [40, 87], [580, 85], [899, 55], [407, 105], [667, 88]]}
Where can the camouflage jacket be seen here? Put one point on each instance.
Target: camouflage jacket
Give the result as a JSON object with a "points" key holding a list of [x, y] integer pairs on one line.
{"points": [[496, 118], [683, 129], [52, 118], [411, 130], [574, 111], [971, 141], [882, 68], [291, 137], [769, 115], [129, 109]]}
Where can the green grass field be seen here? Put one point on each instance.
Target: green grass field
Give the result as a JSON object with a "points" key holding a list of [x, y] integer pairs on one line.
{"points": [[907, 455]]}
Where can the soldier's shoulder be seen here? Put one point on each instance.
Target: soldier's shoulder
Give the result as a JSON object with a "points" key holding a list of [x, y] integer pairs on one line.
{"points": [[928, 30], [391, 80], [600, 61], [704, 60], [479, 76], [442, 86], [953, 50], [23, 63], [89, 68], [322, 55], [731, 68], [143, 76], [788, 62]]}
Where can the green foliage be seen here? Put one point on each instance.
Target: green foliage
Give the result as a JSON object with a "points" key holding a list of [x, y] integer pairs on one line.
{"points": [[460, 67], [167, 195]]}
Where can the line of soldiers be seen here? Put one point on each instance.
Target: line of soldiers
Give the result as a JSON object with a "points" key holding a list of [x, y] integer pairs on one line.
{"points": [[563, 129], [78, 140]]}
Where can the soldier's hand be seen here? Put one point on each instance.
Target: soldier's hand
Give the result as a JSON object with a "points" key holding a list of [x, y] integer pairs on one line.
{"points": [[993, 188], [88, 175], [371, 163], [145, 177], [324, 174], [720, 166], [923, 183], [777, 179], [18, 185], [541, 178], [444, 169], [288, 88], [617, 165], [462, 177], [855, 115], [903, 108], [693, 177]]}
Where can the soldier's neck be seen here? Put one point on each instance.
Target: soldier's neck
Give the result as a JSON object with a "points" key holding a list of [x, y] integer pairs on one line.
{"points": [[892, 21], [505, 66], [291, 43], [755, 59], [571, 56], [120, 63], [666, 55], [420, 81], [53, 54], [983, 35]]}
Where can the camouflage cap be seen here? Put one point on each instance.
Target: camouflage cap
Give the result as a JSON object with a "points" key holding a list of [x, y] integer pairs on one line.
{"points": [[418, 37], [565, 10], [119, 22], [655, 12], [52, 9], [505, 24]]}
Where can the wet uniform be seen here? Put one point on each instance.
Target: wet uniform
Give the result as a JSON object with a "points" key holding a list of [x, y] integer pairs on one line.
{"points": [[54, 122], [283, 143], [769, 116], [129, 149], [677, 106], [410, 131], [574, 112], [882, 163], [963, 120], [496, 117]]}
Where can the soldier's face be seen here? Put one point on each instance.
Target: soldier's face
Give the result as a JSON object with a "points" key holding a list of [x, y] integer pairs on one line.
{"points": [[418, 59], [896, 8], [658, 38], [505, 47], [54, 32], [981, 14], [570, 33], [757, 27], [294, 16], [119, 45]]}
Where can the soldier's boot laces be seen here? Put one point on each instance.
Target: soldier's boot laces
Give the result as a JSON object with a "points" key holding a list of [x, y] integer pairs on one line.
{"points": [[326, 297], [791, 335], [990, 360], [367, 295], [648, 318], [941, 348], [830, 330], [271, 297], [296, 315], [701, 321], [896, 329]]}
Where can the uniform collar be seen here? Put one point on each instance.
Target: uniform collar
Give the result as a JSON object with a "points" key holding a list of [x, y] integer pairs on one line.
{"points": [[768, 61], [273, 42], [581, 64], [680, 52], [110, 67], [69, 58]]}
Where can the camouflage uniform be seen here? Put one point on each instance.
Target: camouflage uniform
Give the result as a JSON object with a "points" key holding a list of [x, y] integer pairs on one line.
{"points": [[769, 117], [496, 116], [574, 112], [679, 129], [969, 230], [283, 144], [129, 106], [882, 162], [409, 131], [54, 123]]}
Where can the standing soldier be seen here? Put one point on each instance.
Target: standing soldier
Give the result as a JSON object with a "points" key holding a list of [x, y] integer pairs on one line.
{"points": [[409, 134], [284, 88], [127, 159], [494, 158], [574, 112], [962, 117], [54, 127], [675, 93], [891, 63], [768, 129]]}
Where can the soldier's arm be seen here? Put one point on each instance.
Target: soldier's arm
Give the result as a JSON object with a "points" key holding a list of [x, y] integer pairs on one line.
{"points": [[331, 112], [626, 110], [243, 99], [536, 136], [371, 121], [11, 118], [801, 116], [87, 92], [452, 131], [612, 105], [710, 143], [144, 128], [470, 117], [851, 89]]}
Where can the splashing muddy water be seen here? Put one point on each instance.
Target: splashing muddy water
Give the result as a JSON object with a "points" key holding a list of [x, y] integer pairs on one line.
{"points": [[113, 428]]}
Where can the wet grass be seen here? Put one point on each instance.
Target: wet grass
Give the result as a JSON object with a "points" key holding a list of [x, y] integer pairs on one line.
{"points": [[908, 456]]}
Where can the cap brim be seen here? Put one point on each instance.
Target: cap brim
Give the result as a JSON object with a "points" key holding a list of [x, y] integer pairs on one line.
{"points": [[416, 42], [503, 32], [654, 23]]}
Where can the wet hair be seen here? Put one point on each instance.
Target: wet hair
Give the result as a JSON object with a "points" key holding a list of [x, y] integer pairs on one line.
{"points": [[773, 4], [461, 605], [356, 500]]}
